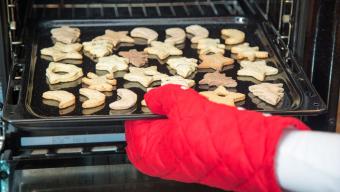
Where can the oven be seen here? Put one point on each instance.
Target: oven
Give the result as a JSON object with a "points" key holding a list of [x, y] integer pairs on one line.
{"points": [[41, 151]]}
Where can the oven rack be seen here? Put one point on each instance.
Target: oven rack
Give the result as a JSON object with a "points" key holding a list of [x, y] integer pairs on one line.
{"points": [[280, 14], [139, 9]]}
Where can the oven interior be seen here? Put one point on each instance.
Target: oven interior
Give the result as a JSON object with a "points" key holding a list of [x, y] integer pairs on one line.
{"points": [[38, 159]]}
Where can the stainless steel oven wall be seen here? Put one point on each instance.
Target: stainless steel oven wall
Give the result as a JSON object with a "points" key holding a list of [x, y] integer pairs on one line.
{"points": [[324, 55], [4, 50]]}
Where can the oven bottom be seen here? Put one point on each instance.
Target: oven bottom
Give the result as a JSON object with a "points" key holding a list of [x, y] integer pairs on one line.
{"points": [[119, 177]]}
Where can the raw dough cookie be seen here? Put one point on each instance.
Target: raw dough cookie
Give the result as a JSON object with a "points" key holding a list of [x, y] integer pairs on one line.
{"points": [[178, 80], [112, 64], [162, 50], [99, 83], [245, 51], [62, 51], [116, 37], [222, 96], [268, 92], [64, 98], [127, 100], [184, 66], [198, 31], [215, 61], [208, 45], [95, 98], [145, 33], [176, 35], [136, 58], [144, 76], [65, 34], [233, 36], [218, 79], [71, 73], [98, 48], [256, 69]]}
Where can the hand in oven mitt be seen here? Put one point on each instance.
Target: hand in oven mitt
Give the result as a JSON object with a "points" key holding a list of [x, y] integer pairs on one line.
{"points": [[207, 143]]}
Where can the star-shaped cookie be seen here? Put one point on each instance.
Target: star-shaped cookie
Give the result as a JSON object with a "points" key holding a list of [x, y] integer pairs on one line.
{"points": [[222, 96], [208, 45], [62, 51], [178, 80], [144, 76], [184, 66], [116, 37], [136, 58], [251, 53], [162, 50], [99, 83], [218, 79], [112, 64], [215, 61], [98, 48], [257, 69]]}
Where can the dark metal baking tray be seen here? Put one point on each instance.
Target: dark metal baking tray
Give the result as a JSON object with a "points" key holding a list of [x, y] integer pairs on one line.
{"points": [[300, 97]]}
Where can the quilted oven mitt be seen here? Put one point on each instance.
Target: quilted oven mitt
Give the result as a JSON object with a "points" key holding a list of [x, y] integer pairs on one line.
{"points": [[207, 143]]}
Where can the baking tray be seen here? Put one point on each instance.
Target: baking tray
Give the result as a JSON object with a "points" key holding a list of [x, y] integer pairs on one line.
{"points": [[300, 97]]}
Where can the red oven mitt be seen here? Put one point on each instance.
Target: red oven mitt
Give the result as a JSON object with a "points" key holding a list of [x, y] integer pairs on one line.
{"points": [[207, 143]]}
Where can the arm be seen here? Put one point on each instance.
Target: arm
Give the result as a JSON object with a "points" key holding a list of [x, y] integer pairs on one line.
{"points": [[308, 161]]}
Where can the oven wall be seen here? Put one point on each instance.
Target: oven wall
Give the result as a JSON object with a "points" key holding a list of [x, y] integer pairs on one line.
{"points": [[4, 50], [322, 60]]}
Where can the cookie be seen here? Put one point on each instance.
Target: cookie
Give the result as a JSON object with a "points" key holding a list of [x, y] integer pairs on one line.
{"points": [[62, 51], [66, 48], [99, 83], [95, 98], [112, 64], [251, 53], [269, 92], [65, 85], [178, 80], [162, 50], [218, 79], [222, 96], [184, 66], [98, 48], [233, 36], [70, 73], [257, 69], [208, 45], [175, 35], [64, 98], [144, 76], [127, 100], [55, 103], [65, 34], [116, 37], [215, 61], [91, 111], [145, 33], [136, 58], [198, 32]]}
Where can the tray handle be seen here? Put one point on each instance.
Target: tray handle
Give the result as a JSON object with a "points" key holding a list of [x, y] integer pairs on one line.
{"points": [[311, 98]]}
